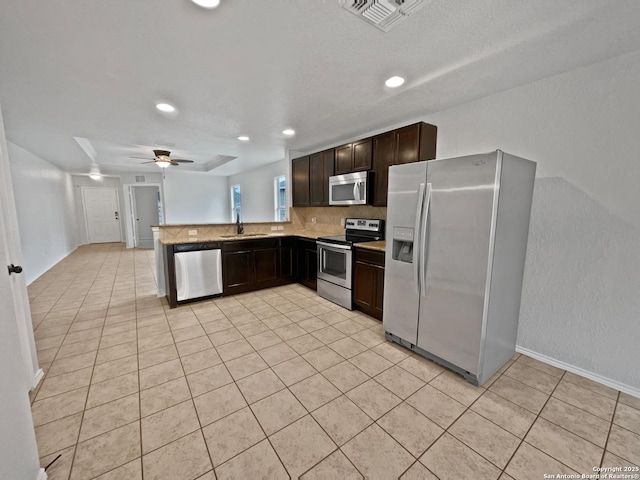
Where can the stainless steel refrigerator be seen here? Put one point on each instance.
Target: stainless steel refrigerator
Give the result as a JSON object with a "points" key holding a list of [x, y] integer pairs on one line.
{"points": [[456, 242]]}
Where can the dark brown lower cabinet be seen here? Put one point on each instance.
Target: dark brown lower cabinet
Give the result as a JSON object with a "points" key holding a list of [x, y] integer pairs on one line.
{"points": [[249, 265], [254, 264], [368, 281], [307, 254]]}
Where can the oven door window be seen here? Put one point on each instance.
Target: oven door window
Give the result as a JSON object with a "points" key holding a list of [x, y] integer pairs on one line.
{"points": [[334, 263]]}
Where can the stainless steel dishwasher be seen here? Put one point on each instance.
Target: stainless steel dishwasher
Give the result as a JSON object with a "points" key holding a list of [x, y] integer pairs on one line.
{"points": [[198, 270]]}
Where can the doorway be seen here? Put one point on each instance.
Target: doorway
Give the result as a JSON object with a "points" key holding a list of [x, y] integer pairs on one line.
{"points": [[145, 211], [102, 214]]}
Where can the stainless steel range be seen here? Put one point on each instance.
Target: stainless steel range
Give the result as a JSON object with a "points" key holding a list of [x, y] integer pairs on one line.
{"points": [[335, 258]]}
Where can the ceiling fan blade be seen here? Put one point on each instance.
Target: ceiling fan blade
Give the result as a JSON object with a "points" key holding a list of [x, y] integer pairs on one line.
{"points": [[152, 161], [181, 161], [174, 163], [142, 158], [159, 153]]}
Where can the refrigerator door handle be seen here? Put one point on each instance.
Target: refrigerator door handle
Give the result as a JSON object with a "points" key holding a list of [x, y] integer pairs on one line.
{"points": [[424, 243], [416, 240]]}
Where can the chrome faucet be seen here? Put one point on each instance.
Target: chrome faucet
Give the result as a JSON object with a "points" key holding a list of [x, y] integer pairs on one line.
{"points": [[239, 225]]}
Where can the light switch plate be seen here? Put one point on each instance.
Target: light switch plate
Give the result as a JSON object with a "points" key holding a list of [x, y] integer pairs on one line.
{"points": [[193, 232]]}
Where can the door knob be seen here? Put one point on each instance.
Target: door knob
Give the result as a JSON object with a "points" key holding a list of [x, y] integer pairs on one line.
{"points": [[14, 268]]}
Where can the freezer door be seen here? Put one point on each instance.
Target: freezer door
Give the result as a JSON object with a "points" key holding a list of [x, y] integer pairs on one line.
{"points": [[455, 255], [407, 186]]}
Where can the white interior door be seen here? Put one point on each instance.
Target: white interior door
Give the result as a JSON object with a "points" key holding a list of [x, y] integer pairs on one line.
{"points": [[102, 214], [18, 450], [145, 213]]}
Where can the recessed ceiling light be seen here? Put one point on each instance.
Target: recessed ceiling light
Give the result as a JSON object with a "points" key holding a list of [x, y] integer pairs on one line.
{"points": [[243, 138], [207, 3], [394, 82], [165, 107], [289, 131]]}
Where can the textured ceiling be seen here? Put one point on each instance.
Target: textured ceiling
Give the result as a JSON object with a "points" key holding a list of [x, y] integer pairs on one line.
{"points": [[79, 68]]}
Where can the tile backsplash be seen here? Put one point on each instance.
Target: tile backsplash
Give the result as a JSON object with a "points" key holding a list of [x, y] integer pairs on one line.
{"points": [[328, 219]]}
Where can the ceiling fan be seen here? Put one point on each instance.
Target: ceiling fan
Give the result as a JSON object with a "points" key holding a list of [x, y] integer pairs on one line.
{"points": [[163, 160]]}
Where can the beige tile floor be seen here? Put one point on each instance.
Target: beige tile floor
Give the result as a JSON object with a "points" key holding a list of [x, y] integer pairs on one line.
{"points": [[281, 383]]}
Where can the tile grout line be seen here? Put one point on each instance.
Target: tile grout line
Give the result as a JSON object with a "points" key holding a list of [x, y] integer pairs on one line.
{"points": [[613, 416]]}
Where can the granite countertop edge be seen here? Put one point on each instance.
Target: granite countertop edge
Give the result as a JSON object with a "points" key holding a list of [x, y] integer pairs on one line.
{"points": [[309, 234], [378, 246]]}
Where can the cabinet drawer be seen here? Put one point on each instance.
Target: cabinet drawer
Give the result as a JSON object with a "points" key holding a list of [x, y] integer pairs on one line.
{"points": [[369, 256]]}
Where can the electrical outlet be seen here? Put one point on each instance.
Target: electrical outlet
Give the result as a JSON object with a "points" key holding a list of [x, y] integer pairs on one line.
{"points": [[313, 219], [274, 228], [280, 227], [193, 233], [342, 221]]}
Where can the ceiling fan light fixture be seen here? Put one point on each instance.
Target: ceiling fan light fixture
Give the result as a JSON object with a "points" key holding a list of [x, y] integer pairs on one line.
{"points": [[289, 131], [207, 3], [163, 163], [94, 172]]}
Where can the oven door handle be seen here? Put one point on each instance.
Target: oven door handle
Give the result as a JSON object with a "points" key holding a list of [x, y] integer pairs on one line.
{"points": [[333, 245]]}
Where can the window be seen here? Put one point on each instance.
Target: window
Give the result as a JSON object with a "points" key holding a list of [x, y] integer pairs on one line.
{"points": [[280, 196], [236, 203]]}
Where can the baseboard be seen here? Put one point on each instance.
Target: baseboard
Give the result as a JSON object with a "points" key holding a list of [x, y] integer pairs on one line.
{"points": [[36, 379], [42, 475], [623, 387]]}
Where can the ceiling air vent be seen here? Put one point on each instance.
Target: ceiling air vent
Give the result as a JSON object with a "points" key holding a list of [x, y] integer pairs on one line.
{"points": [[383, 14], [141, 179]]}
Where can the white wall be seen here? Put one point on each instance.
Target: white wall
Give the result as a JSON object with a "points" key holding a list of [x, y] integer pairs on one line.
{"points": [[80, 181], [580, 301], [257, 189], [194, 197], [46, 212]]}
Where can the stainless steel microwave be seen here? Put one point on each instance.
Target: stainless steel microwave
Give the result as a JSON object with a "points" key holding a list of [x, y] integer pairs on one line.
{"points": [[349, 189]]}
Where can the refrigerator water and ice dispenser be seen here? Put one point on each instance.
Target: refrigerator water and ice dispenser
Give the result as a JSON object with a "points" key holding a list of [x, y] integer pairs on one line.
{"points": [[402, 244]]}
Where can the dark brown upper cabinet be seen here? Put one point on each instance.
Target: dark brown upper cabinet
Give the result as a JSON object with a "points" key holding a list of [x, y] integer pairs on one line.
{"points": [[354, 157], [413, 143], [321, 167], [300, 172]]}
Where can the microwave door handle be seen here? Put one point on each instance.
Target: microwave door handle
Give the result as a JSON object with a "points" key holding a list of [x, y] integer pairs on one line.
{"points": [[356, 191], [416, 240]]}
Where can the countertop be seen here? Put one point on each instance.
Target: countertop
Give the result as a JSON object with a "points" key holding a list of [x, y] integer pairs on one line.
{"points": [[310, 234], [379, 246]]}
